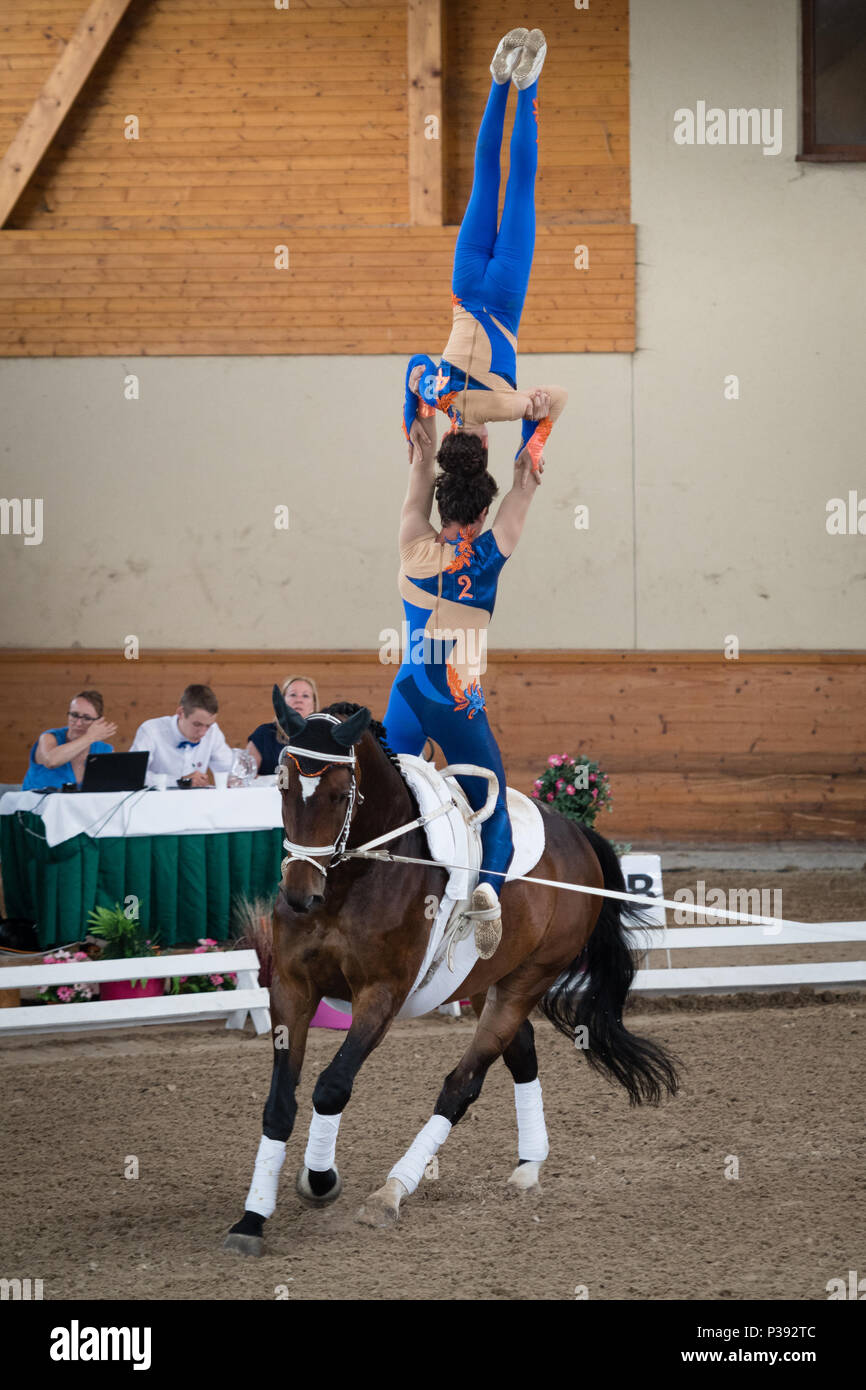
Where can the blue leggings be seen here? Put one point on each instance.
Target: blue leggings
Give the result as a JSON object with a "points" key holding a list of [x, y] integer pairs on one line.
{"points": [[412, 717], [490, 267]]}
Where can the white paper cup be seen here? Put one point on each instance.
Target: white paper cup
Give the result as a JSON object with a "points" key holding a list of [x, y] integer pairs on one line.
{"points": [[160, 781], [220, 780]]}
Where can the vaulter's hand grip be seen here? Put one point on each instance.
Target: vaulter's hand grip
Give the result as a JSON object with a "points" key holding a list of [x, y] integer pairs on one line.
{"points": [[470, 770]]}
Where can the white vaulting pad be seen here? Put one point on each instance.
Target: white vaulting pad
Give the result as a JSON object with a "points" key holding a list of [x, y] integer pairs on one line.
{"points": [[451, 841]]}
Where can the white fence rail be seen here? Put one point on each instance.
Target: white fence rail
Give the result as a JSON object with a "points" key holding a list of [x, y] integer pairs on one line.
{"points": [[729, 978], [233, 1004]]}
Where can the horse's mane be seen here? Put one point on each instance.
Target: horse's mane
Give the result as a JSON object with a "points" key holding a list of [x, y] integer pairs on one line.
{"points": [[377, 729]]}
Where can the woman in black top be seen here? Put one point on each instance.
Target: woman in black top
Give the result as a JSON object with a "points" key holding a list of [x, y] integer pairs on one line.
{"points": [[300, 694]]}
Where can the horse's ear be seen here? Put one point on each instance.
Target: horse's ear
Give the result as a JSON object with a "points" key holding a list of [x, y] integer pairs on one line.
{"points": [[348, 733], [288, 720]]}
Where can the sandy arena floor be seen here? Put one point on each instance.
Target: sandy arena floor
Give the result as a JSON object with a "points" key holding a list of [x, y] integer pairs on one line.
{"points": [[635, 1203]]}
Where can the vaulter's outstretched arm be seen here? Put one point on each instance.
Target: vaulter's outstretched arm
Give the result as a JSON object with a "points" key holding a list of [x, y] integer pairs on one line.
{"points": [[418, 504], [514, 507]]}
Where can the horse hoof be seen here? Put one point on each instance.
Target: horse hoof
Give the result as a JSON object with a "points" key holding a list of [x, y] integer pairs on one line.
{"points": [[378, 1214], [382, 1208], [313, 1199], [244, 1245], [524, 1179]]}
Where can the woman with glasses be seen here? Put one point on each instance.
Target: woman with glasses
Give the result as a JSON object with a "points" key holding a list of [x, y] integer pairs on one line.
{"points": [[300, 694], [58, 755]]}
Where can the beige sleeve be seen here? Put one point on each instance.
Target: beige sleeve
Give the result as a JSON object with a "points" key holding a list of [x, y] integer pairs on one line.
{"points": [[487, 407], [558, 400], [421, 548]]}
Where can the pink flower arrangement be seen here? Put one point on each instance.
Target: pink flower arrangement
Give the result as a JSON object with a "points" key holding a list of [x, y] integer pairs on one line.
{"points": [[66, 994], [576, 787], [203, 984]]}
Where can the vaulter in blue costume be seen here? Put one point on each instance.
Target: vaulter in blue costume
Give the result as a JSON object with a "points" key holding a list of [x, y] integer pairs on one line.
{"points": [[448, 578], [476, 380]]}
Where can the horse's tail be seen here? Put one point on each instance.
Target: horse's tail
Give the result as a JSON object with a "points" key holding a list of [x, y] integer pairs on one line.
{"points": [[587, 1000]]}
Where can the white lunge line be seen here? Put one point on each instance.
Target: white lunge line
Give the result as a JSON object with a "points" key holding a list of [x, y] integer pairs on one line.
{"points": [[638, 899]]}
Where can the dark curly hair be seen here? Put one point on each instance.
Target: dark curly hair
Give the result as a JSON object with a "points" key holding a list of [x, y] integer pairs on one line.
{"points": [[464, 487]]}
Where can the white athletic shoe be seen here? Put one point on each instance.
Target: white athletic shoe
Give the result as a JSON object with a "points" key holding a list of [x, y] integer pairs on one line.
{"points": [[531, 60], [487, 913], [507, 54]]}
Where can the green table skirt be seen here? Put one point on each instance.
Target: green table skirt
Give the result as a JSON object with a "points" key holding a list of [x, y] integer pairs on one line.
{"points": [[186, 884]]}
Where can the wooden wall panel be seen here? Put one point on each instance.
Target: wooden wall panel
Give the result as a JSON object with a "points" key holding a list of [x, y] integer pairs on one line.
{"points": [[583, 173], [772, 746], [238, 104], [218, 292], [261, 127]]}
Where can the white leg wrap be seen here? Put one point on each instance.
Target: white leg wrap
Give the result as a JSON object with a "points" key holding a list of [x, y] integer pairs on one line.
{"points": [[322, 1142], [262, 1196], [409, 1170], [531, 1130]]}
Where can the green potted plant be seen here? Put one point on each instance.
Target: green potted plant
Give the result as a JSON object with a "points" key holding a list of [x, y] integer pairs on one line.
{"points": [[124, 939]]}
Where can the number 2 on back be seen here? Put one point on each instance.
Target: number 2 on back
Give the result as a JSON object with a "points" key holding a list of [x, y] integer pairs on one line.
{"points": [[464, 582]]}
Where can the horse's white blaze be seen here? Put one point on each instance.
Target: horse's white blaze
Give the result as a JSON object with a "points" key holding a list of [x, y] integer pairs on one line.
{"points": [[308, 786]]}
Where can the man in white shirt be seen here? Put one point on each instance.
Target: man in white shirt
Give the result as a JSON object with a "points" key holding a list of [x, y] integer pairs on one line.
{"points": [[187, 743]]}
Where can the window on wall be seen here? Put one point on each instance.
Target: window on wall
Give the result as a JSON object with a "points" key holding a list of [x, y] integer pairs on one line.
{"points": [[834, 80]]}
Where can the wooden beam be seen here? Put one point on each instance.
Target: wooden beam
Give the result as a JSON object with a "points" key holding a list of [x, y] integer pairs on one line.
{"points": [[424, 71], [59, 91]]}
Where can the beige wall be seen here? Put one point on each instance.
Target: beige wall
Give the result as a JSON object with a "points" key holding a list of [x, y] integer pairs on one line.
{"points": [[749, 264], [158, 514]]}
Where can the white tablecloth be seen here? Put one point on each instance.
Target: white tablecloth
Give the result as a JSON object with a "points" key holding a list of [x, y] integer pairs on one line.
{"points": [[199, 811]]}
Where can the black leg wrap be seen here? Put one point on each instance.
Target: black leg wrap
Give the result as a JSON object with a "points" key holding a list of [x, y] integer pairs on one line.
{"points": [[320, 1183], [519, 1056], [250, 1224]]}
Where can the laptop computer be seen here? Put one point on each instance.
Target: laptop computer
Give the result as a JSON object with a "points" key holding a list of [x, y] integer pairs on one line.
{"points": [[114, 772]]}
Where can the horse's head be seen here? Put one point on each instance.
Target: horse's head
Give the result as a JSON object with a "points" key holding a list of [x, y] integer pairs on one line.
{"points": [[318, 776]]}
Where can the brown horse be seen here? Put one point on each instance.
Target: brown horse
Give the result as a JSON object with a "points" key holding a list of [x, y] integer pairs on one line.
{"points": [[357, 929]]}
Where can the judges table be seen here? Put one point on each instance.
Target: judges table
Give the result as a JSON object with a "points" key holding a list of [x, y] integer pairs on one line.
{"points": [[186, 855]]}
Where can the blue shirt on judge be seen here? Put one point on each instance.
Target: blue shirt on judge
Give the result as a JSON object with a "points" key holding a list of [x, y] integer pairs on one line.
{"points": [[39, 777]]}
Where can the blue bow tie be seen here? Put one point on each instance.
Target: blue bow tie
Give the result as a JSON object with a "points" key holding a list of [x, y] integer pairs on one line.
{"points": [[188, 743]]}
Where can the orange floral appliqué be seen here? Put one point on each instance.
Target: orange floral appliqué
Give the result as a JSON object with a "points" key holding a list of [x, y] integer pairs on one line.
{"points": [[538, 439], [472, 698], [463, 555]]}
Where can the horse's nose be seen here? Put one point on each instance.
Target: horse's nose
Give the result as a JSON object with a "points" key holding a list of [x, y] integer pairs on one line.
{"points": [[302, 902]]}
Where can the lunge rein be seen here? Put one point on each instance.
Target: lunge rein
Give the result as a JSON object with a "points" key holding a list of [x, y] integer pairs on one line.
{"points": [[371, 848]]}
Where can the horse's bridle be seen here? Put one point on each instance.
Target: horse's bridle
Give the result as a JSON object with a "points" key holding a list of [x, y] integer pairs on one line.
{"points": [[371, 849], [306, 852]]}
